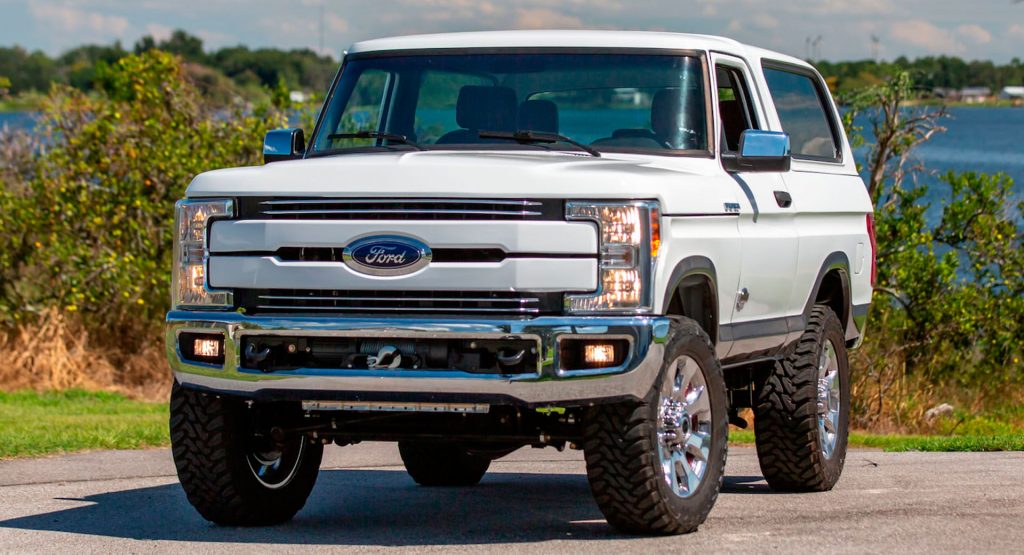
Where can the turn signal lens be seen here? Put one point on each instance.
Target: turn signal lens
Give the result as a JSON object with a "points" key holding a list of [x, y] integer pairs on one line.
{"points": [[655, 232]]}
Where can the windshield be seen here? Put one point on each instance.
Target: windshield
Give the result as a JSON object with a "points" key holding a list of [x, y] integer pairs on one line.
{"points": [[612, 102]]}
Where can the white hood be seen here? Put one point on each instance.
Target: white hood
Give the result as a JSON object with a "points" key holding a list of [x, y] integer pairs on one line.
{"points": [[683, 185]]}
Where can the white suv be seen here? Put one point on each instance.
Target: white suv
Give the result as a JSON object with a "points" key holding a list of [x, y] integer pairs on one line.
{"points": [[611, 240]]}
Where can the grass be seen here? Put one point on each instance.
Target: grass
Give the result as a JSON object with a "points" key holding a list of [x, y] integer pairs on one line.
{"points": [[34, 424], [899, 443]]}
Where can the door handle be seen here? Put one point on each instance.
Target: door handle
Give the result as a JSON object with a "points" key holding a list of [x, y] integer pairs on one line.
{"points": [[784, 199]]}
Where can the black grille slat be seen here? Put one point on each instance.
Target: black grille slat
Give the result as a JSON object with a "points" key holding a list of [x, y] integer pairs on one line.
{"points": [[306, 208], [334, 254], [395, 302]]}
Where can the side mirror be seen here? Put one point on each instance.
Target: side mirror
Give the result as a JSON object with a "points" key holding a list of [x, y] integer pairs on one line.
{"points": [[283, 144], [760, 151]]}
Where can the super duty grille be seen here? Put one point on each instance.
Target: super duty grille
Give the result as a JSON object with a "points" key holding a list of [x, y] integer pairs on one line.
{"points": [[280, 208], [305, 301]]}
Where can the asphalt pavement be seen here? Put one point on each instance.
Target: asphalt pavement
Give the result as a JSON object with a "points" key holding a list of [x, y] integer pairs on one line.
{"points": [[531, 501]]}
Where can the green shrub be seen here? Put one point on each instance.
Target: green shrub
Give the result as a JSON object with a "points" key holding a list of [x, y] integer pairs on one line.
{"points": [[947, 321], [90, 230]]}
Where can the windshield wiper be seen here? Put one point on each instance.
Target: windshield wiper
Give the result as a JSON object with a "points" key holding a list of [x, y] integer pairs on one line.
{"points": [[376, 135], [526, 136]]}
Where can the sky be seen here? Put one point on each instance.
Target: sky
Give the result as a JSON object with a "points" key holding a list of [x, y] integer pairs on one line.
{"points": [[972, 29]]}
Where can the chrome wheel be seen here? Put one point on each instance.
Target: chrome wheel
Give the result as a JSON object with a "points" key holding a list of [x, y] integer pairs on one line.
{"points": [[828, 399], [684, 426], [275, 466]]}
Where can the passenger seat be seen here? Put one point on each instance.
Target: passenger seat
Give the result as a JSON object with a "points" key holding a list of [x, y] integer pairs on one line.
{"points": [[538, 115]]}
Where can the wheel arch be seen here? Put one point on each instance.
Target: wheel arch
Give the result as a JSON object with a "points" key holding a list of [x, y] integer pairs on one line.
{"points": [[693, 292], [832, 288]]}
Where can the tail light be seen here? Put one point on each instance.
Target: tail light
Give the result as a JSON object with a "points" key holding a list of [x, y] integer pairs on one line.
{"points": [[874, 249]]}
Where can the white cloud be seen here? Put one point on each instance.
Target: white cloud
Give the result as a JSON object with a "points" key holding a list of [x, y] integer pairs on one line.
{"points": [[159, 32], [542, 18], [974, 33], [921, 33], [79, 22], [335, 23], [764, 21], [984, 29], [851, 7]]}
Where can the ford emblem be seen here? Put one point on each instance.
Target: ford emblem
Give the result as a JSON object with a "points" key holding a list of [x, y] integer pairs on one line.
{"points": [[386, 255]]}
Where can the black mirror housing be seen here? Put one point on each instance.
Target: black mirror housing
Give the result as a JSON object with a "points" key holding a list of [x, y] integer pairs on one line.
{"points": [[760, 151], [283, 144]]}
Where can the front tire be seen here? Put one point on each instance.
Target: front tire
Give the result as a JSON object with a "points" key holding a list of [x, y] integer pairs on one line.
{"points": [[230, 475], [437, 464], [656, 467], [803, 411]]}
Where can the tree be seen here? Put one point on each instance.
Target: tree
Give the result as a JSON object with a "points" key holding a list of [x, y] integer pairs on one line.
{"points": [[950, 295], [95, 206]]}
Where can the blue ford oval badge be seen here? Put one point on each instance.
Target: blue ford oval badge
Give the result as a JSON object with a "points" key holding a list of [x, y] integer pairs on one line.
{"points": [[386, 255]]}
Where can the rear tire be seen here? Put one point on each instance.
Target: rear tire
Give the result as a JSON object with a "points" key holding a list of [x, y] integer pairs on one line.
{"points": [[437, 464], [656, 467], [229, 475], [803, 410]]}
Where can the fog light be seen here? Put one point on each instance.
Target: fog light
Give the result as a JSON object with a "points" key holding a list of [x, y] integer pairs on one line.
{"points": [[599, 354], [588, 354], [206, 348]]}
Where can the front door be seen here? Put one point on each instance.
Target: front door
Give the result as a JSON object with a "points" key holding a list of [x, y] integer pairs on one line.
{"points": [[767, 226]]}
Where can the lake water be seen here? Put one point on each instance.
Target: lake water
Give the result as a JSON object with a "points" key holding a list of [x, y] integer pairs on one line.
{"points": [[987, 140], [16, 120]]}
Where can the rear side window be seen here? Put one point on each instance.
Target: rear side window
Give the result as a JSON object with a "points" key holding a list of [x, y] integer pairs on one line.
{"points": [[802, 110]]}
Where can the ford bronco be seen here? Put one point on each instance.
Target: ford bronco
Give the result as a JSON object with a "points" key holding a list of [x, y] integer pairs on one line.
{"points": [[612, 241]]}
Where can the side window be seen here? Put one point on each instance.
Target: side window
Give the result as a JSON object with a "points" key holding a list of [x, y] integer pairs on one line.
{"points": [[800, 103], [362, 112], [735, 108]]}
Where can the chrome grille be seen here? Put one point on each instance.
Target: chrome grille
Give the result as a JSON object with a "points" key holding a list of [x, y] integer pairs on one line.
{"points": [[399, 209], [398, 302]]}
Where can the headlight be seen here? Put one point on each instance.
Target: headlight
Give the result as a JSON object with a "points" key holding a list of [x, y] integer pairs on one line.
{"points": [[629, 242], [189, 287]]}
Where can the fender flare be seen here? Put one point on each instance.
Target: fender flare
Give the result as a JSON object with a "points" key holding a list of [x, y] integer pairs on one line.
{"points": [[688, 267], [834, 261]]}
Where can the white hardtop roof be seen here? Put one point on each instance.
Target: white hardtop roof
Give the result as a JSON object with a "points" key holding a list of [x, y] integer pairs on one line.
{"points": [[570, 39]]}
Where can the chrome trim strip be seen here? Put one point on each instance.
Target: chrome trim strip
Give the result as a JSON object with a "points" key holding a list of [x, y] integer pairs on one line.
{"points": [[523, 300], [402, 211], [398, 309], [400, 201], [633, 379]]}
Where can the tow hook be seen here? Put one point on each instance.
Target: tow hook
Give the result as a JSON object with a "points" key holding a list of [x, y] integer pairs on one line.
{"points": [[509, 358], [387, 357], [253, 357]]}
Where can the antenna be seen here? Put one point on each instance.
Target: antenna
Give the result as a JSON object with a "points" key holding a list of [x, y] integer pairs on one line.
{"points": [[875, 47], [816, 47]]}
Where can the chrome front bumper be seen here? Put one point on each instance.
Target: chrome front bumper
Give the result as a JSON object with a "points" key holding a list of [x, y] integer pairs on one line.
{"points": [[549, 386]]}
